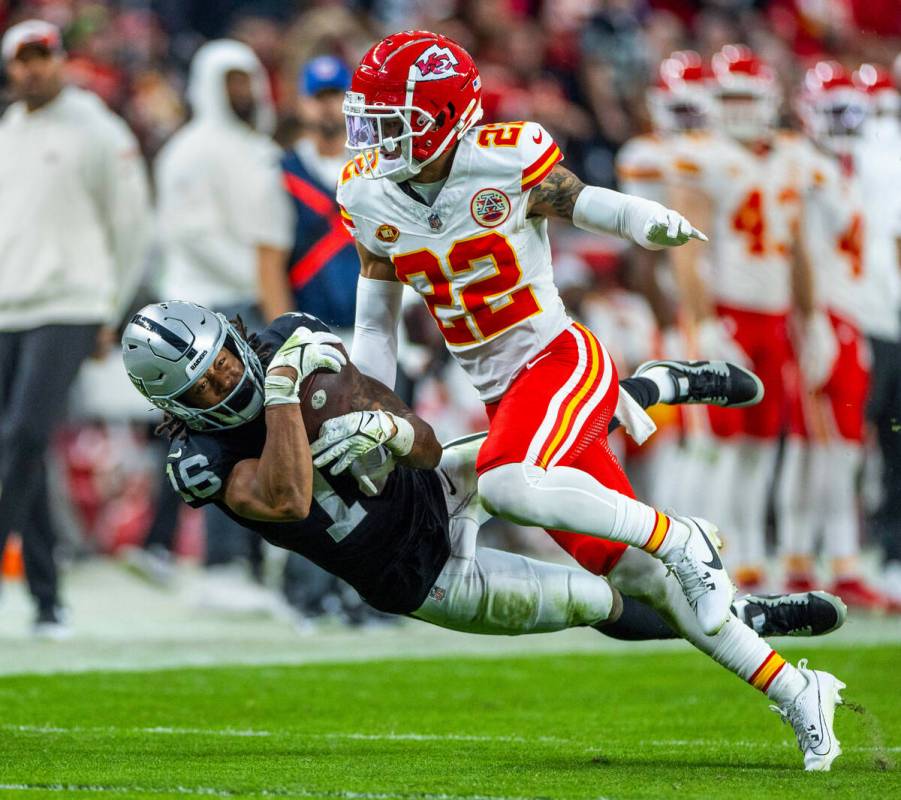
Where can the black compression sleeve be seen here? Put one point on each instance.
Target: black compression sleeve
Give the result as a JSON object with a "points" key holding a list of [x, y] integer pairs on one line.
{"points": [[637, 623]]}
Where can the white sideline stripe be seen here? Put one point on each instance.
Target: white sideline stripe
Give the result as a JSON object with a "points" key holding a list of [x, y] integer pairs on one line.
{"points": [[208, 791], [408, 737], [540, 439]]}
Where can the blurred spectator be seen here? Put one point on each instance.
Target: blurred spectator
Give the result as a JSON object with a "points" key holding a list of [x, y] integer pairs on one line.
{"points": [[322, 269], [223, 218], [71, 169]]}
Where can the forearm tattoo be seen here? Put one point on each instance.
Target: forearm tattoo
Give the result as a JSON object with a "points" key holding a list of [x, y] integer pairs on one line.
{"points": [[556, 195]]}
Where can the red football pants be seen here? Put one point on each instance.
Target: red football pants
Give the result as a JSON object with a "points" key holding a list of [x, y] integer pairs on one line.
{"points": [[556, 413]]}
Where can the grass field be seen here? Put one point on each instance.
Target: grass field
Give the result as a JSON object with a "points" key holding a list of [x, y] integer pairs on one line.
{"points": [[652, 725]]}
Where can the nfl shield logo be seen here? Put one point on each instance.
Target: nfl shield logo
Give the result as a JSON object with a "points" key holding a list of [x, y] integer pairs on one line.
{"points": [[437, 594], [435, 222]]}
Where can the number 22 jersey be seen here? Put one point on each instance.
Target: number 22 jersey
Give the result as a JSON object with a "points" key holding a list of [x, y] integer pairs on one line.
{"points": [[480, 263]]}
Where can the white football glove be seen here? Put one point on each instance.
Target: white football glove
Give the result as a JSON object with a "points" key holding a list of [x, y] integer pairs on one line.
{"points": [[818, 351], [305, 351], [346, 438], [664, 227], [716, 343]]}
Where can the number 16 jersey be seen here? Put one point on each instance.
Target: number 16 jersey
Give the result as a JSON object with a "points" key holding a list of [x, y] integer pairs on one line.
{"points": [[481, 265]]}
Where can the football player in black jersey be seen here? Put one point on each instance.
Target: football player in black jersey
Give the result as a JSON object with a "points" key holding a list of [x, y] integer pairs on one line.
{"points": [[395, 515]]}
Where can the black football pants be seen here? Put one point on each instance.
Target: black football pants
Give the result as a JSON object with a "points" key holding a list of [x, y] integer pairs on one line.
{"points": [[884, 412], [37, 367]]}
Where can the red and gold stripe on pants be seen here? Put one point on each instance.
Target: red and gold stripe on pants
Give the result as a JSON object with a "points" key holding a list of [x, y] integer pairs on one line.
{"points": [[576, 399]]}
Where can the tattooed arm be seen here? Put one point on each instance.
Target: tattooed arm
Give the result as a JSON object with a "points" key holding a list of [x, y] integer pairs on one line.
{"points": [[556, 195], [562, 195]]}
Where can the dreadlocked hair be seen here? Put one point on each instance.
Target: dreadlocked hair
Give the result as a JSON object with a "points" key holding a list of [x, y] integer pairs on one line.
{"points": [[175, 429]]}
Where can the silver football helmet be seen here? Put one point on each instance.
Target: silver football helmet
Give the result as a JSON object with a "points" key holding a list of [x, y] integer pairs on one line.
{"points": [[168, 346]]}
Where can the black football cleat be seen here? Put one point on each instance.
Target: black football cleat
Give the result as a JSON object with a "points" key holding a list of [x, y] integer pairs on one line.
{"points": [[711, 383], [801, 614]]}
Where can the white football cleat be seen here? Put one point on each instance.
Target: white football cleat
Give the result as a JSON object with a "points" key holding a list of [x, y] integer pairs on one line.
{"points": [[811, 714], [701, 574]]}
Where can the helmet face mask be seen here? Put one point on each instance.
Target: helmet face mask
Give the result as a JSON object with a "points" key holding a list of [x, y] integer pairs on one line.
{"points": [[381, 138], [681, 101], [168, 347], [746, 92], [832, 108]]}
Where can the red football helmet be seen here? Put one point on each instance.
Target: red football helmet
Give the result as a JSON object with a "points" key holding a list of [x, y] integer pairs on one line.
{"points": [[680, 100], [746, 93], [831, 107], [413, 96], [877, 83]]}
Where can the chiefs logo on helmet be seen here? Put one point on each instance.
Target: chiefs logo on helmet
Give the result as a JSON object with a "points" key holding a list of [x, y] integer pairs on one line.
{"points": [[436, 63]]}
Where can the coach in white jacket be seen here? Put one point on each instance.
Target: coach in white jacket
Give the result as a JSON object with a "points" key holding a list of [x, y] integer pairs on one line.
{"points": [[221, 206], [223, 216], [74, 218]]}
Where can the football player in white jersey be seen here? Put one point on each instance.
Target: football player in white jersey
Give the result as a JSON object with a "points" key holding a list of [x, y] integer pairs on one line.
{"points": [[746, 185], [817, 496], [460, 213], [679, 106]]}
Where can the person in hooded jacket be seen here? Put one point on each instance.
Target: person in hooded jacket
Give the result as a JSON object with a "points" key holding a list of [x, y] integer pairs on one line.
{"points": [[223, 217]]}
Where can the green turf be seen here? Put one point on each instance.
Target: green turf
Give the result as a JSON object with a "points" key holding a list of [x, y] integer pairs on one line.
{"points": [[662, 725]]}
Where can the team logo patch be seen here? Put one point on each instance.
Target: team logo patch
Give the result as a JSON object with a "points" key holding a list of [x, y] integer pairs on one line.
{"points": [[489, 207], [437, 593], [436, 63], [387, 233]]}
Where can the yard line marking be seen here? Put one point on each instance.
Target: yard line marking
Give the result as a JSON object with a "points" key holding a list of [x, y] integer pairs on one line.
{"points": [[155, 730], [402, 737], [207, 791]]}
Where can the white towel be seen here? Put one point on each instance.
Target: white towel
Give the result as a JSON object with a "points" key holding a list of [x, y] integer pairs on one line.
{"points": [[633, 418]]}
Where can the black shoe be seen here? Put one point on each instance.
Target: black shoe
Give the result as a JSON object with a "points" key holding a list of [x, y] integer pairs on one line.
{"points": [[712, 383], [801, 614]]}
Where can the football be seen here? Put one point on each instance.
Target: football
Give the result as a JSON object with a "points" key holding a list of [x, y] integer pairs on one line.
{"points": [[327, 394]]}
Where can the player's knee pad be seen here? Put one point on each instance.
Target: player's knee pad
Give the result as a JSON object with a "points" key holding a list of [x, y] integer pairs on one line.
{"points": [[505, 491], [638, 574]]}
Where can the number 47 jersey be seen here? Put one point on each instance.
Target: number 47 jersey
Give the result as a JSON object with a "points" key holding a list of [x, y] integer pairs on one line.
{"points": [[481, 265]]}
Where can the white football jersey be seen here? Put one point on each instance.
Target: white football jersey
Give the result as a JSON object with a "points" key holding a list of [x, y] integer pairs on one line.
{"points": [[879, 168], [833, 233], [641, 166], [756, 208], [482, 267]]}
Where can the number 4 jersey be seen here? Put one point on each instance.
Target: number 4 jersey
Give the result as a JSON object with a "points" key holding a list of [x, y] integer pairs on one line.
{"points": [[481, 265], [390, 548]]}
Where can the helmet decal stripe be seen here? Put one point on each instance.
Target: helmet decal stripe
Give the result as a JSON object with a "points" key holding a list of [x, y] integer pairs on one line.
{"points": [[168, 336]]}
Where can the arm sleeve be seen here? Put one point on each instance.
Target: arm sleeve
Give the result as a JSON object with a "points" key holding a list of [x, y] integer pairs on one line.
{"points": [[374, 349], [125, 202]]}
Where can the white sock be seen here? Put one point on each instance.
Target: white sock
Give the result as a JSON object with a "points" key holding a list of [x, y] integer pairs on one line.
{"points": [[665, 382], [736, 647]]}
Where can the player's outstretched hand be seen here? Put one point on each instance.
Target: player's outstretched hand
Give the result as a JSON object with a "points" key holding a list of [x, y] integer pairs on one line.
{"points": [[304, 351], [668, 228], [344, 439]]}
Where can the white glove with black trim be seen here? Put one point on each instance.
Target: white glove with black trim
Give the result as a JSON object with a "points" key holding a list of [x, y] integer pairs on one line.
{"points": [[344, 439], [305, 351]]}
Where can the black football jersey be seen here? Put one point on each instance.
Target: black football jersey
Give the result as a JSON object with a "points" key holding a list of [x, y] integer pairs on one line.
{"points": [[390, 548]]}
